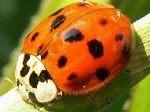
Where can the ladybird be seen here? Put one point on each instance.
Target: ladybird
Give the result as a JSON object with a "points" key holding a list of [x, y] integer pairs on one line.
{"points": [[78, 49]]}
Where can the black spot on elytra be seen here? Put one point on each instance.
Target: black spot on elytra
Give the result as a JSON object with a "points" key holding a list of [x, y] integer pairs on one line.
{"points": [[72, 76], [34, 36], [32, 97], [44, 75], [57, 12], [95, 48], [24, 71], [103, 21], [40, 49], [62, 61], [44, 55], [57, 22], [33, 80], [126, 50], [26, 58], [84, 4], [119, 37], [102, 74], [73, 35]]}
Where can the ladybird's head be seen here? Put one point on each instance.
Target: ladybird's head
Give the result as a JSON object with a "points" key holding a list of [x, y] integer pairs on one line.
{"points": [[33, 80]]}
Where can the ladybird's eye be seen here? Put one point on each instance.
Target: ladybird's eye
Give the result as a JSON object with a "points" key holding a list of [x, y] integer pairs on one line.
{"points": [[44, 75]]}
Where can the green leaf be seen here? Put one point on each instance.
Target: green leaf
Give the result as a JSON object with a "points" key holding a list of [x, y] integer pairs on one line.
{"points": [[13, 102], [140, 101]]}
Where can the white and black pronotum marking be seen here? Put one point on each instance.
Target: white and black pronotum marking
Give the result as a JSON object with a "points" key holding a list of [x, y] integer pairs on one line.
{"points": [[33, 80]]}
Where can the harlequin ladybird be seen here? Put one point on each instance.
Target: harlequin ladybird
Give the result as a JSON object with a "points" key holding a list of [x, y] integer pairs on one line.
{"points": [[76, 50]]}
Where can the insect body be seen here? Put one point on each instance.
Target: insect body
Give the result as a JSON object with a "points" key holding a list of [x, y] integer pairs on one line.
{"points": [[76, 50]]}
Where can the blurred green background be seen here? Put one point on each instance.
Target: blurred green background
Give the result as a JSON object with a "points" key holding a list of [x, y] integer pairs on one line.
{"points": [[15, 16]]}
